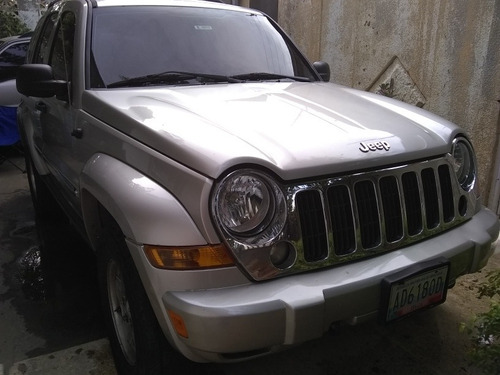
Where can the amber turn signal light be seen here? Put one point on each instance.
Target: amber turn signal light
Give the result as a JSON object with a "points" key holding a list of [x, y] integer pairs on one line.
{"points": [[178, 324], [188, 257]]}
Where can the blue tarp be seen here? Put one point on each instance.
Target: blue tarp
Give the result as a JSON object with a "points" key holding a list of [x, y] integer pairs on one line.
{"points": [[9, 133]]}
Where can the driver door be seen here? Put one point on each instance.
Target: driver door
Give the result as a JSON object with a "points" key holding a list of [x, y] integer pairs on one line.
{"points": [[57, 115]]}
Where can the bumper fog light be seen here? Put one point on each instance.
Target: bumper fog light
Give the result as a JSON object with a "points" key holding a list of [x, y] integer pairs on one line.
{"points": [[283, 255]]}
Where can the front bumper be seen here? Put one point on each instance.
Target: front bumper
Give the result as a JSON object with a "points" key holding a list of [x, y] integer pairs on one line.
{"points": [[239, 322]]}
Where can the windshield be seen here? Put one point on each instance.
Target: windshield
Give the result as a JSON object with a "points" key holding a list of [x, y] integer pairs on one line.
{"points": [[131, 43]]}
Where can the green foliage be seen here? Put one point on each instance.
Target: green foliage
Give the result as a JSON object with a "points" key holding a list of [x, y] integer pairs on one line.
{"points": [[387, 89], [491, 288], [485, 329], [11, 24]]}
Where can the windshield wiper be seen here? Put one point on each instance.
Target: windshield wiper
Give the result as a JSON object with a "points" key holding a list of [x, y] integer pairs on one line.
{"points": [[261, 76], [173, 77]]}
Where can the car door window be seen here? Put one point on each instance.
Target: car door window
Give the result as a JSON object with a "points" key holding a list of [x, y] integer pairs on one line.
{"points": [[42, 49], [61, 58]]}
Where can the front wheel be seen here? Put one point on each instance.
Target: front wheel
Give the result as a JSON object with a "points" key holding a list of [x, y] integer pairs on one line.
{"points": [[136, 339], [120, 310]]}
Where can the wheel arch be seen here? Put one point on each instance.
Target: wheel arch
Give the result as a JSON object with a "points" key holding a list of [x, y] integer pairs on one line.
{"points": [[144, 210]]}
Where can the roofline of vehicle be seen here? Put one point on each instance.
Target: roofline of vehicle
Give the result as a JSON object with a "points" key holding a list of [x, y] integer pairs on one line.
{"points": [[192, 3], [215, 4]]}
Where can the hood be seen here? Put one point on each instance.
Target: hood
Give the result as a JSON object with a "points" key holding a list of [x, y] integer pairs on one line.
{"points": [[297, 130]]}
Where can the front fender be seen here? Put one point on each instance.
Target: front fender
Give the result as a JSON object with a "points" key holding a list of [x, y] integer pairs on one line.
{"points": [[144, 210]]}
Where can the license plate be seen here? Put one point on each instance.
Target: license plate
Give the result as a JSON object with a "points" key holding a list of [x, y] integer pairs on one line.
{"points": [[414, 289]]}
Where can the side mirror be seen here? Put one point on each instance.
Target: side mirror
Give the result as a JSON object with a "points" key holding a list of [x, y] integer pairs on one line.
{"points": [[323, 70], [38, 80]]}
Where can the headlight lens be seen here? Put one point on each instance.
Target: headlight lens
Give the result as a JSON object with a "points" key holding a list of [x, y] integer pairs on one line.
{"points": [[245, 204], [464, 163], [249, 206]]}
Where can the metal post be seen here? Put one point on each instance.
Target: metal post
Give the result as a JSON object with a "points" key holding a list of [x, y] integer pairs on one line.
{"points": [[494, 198]]}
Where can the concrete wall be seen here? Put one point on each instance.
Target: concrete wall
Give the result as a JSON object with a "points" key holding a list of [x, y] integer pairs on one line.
{"points": [[448, 50]]}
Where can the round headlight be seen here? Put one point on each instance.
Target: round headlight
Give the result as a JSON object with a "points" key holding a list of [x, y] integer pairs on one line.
{"points": [[245, 204], [248, 203], [464, 163]]}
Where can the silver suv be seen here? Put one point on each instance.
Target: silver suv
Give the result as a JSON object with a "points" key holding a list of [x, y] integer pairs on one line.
{"points": [[237, 202]]}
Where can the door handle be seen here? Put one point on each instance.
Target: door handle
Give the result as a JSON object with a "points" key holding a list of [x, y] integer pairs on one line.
{"points": [[77, 133], [41, 106]]}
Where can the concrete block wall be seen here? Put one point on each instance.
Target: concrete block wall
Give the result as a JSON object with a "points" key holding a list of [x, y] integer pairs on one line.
{"points": [[449, 50]]}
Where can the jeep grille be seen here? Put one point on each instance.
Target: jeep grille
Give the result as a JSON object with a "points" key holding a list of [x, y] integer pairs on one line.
{"points": [[366, 213]]}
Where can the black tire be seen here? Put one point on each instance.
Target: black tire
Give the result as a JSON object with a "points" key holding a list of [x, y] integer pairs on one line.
{"points": [[136, 339]]}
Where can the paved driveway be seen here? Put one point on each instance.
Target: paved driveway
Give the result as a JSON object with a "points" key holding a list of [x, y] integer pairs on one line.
{"points": [[50, 321]]}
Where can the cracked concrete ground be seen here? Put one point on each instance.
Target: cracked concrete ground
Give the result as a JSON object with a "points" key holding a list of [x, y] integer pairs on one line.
{"points": [[52, 324]]}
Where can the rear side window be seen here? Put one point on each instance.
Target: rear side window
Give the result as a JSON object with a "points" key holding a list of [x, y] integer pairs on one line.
{"points": [[14, 55], [11, 58]]}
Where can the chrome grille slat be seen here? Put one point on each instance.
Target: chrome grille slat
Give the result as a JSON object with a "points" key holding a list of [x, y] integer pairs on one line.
{"points": [[368, 213], [431, 201], [314, 233], [391, 204], [413, 205], [445, 188], [343, 228]]}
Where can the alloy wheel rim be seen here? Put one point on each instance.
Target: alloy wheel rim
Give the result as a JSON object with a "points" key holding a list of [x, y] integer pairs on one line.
{"points": [[120, 312]]}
